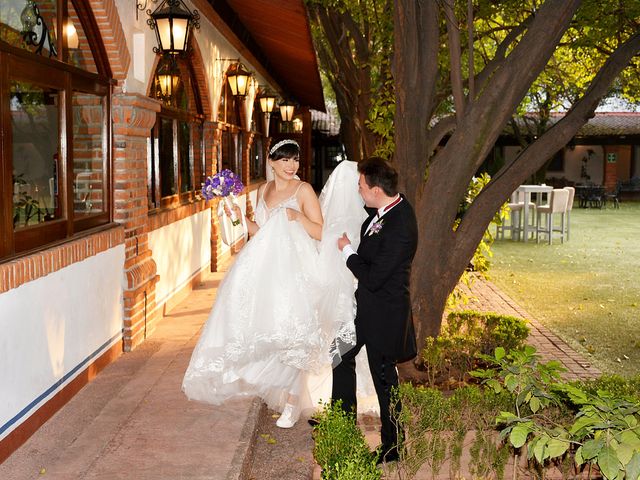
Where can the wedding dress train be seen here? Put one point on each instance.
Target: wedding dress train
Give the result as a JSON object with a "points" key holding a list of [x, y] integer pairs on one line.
{"points": [[284, 311]]}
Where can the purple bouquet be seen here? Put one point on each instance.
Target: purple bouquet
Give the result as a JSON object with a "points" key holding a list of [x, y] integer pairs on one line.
{"points": [[223, 184]]}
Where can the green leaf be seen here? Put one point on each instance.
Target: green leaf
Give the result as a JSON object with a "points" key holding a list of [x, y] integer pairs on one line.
{"points": [[633, 467], [630, 438], [499, 353], [556, 448], [506, 417], [608, 463], [578, 456], [534, 404], [497, 387], [591, 448], [538, 451], [511, 382], [581, 423], [519, 435], [624, 452]]}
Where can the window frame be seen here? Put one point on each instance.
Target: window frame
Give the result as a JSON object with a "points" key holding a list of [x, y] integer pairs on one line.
{"points": [[23, 65], [155, 198]]}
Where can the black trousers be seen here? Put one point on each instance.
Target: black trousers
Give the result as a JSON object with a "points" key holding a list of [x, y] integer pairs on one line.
{"points": [[385, 378]]}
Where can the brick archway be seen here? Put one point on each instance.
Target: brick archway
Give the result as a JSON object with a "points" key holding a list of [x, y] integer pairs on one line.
{"points": [[113, 37]]}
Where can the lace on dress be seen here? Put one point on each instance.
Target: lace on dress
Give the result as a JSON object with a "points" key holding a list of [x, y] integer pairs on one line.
{"points": [[282, 304]]}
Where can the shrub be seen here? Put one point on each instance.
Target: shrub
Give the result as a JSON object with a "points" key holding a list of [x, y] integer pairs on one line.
{"points": [[435, 426], [593, 428], [464, 336], [340, 447]]}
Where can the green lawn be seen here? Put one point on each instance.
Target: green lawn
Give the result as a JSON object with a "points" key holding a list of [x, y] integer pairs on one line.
{"points": [[586, 290]]}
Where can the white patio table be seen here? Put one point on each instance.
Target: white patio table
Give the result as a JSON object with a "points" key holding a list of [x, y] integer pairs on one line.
{"points": [[527, 190]]}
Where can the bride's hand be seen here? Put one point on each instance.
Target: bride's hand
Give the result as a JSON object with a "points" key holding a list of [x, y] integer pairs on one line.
{"points": [[236, 210], [293, 215]]}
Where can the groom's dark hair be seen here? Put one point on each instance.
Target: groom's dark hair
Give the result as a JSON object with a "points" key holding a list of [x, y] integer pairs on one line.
{"points": [[378, 173]]}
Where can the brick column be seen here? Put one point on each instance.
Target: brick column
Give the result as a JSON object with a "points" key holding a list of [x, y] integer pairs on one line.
{"points": [[213, 137], [133, 117]]}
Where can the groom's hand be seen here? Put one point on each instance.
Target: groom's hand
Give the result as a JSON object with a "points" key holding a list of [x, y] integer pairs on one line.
{"points": [[343, 241]]}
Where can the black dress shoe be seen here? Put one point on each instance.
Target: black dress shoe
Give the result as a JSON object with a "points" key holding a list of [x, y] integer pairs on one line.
{"points": [[314, 422]]}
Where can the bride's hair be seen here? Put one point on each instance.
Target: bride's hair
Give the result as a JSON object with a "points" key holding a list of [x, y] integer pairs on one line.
{"points": [[284, 149]]}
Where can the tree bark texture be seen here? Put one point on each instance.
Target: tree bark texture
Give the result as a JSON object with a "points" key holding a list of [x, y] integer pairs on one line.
{"points": [[436, 182]]}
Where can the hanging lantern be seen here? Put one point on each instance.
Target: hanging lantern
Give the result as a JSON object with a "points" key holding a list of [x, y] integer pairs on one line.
{"points": [[173, 22], [239, 80], [286, 110]]}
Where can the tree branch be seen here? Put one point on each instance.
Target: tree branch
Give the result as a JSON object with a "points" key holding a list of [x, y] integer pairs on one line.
{"points": [[453, 33]]}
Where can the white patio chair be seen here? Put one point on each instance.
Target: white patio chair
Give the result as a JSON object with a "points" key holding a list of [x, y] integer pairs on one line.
{"points": [[515, 227], [557, 205], [572, 194]]}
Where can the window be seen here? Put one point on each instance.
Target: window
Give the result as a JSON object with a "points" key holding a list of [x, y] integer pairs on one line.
{"points": [[257, 159], [56, 132], [557, 162], [176, 150]]}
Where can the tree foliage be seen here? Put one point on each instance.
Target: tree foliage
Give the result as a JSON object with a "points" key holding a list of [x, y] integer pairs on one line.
{"points": [[460, 73]]}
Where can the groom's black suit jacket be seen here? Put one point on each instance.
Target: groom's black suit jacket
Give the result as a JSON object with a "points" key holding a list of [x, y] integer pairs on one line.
{"points": [[383, 268]]}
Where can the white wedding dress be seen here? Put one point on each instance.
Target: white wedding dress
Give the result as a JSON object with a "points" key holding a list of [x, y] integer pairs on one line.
{"points": [[284, 312]]}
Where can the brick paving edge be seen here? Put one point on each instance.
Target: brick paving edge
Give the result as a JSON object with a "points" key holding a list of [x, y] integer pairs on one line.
{"points": [[243, 458]]}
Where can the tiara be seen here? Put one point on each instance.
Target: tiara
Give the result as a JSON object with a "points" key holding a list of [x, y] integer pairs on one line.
{"points": [[286, 141]]}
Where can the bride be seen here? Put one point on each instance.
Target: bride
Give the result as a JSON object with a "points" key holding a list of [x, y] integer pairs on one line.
{"points": [[284, 311]]}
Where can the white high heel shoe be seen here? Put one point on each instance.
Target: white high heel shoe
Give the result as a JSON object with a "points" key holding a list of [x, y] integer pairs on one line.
{"points": [[289, 417]]}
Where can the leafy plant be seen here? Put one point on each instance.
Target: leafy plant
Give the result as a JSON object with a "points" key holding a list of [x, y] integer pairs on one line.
{"points": [[435, 427], [464, 335], [340, 447], [598, 429]]}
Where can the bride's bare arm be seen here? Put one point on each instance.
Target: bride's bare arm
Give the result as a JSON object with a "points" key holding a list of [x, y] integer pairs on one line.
{"points": [[311, 216], [252, 226]]}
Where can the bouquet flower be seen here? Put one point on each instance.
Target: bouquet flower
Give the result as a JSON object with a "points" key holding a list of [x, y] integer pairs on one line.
{"points": [[223, 184]]}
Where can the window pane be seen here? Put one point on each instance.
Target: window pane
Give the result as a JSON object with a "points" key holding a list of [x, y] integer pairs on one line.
{"points": [[198, 152], [184, 157], [257, 161], [16, 14], [80, 53], [226, 150], [35, 113], [237, 146], [168, 184], [88, 154]]}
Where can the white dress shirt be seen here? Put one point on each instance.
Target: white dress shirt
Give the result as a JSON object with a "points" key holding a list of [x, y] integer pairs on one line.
{"points": [[348, 250]]}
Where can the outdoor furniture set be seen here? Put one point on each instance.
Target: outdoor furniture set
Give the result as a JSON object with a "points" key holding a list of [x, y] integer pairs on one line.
{"points": [[529, 216]]}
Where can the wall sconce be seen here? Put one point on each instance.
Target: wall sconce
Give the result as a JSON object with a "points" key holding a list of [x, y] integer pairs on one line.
{"points": [[168, 78], [267, 102], [239, 79], [286, 110], [173, 22], [72, 35], [297, 125], [31, 21]]}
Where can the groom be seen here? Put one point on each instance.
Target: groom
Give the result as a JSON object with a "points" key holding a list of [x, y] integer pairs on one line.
{"points": [[382, 265]]}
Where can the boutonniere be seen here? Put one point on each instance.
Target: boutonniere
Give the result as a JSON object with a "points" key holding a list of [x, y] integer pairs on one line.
{"points": [[376, 227]]}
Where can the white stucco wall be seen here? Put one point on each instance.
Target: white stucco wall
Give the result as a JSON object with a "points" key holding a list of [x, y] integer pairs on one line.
{"points": [[180, 250], [53, 327]]}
